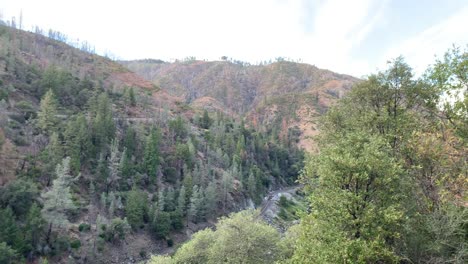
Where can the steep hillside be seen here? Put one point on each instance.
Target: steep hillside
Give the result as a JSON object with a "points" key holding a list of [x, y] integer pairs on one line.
{"points": [[99, 165], [285, 97]]}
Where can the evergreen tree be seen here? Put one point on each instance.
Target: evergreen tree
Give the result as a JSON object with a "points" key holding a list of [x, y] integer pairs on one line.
{"points": [[169, 199], [205, 121], [77, 141], [9, 231], [34, 227], [197, 211], [135, 208], [162, 225], [103, 127], [151, 156], [58, 200], [7, 254], [47, 115], [182, 201], [131, 97], [114, 167], [211, 199]]}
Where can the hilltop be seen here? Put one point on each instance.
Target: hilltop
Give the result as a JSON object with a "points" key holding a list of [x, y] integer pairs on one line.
{"points": [[285, 97]]}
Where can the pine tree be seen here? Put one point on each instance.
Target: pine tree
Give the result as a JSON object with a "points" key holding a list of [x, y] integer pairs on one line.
{"points": [[112, 204], [58, 200], [188, 185], [103, 127], [151, 156], [182, 201], [9, 231], [102, 170], [211, 199], [114, 167], [227, 182], [196, 211], [52, 154], [169, 199], [162, 225], [136, 207], [47, 115], [77, 141], [7, 254], [205, 121], [252, 186], [34, 226], [131, 97]]}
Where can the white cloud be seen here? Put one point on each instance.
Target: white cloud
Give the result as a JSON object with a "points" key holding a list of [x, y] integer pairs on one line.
{"points": [[420, 50], [341, 26]]}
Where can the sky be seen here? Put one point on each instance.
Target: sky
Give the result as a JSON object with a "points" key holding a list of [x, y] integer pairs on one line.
{"points": [[354, 37]]}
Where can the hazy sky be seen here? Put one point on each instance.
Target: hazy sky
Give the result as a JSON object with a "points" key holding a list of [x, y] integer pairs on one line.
{"points": [[349, 36]]}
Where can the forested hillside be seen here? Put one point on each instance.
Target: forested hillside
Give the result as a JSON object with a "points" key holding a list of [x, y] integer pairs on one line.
{"points": [[283, 96], [98, 165], [389, 184]]}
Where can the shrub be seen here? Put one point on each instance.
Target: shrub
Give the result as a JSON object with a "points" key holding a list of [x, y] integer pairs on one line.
{"points": [[84, 227], [75, 244]]}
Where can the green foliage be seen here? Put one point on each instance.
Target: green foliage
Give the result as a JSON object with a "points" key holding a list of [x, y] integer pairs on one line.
{"points": [[383, 187], [161, 225], [136, 207], [205, 121], [359, 187], [7, 254], [75, 244], [151, 156], [47, 115], [77, 141], [178, 128], [160, 259], [197, 205], [58, 200], [84, 227], [241, 238], [129, 95], [19, 195], [34, 227], [102, 122], [9, 231], [117, 230], [449, 78]]}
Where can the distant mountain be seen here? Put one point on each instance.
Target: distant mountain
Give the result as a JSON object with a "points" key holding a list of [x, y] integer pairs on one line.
{"points": [[286, 97]]}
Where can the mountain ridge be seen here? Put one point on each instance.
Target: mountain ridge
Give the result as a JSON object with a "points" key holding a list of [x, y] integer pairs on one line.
{"points": [[282, 95]]}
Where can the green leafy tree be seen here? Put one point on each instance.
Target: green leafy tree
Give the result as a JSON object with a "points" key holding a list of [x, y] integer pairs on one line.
{"points": [[356, 210], [239, 238]]}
